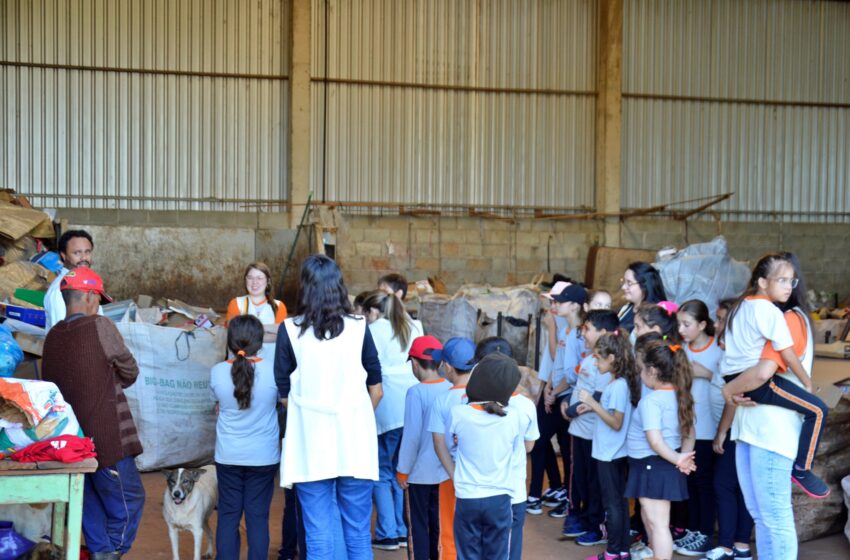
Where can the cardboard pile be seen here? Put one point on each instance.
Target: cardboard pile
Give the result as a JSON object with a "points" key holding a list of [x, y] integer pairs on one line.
{"points": [[23, 231]]}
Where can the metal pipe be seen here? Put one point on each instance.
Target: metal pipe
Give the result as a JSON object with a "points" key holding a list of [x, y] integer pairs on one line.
{"points": [[452, 87], [735, 100], [151, 71], [537, 341]]}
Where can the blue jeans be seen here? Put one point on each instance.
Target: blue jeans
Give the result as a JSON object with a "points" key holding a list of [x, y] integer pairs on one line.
{"points": [[483, 527], [388, 495], [113, 500], [765, 479], [517, 524], [244, 489], [353, 496]]}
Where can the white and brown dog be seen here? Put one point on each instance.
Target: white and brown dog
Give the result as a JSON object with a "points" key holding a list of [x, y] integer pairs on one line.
{"points": [[189, 500]]}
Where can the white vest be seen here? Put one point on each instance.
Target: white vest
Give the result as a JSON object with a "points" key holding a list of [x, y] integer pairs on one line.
{"points": [[330, 424]]}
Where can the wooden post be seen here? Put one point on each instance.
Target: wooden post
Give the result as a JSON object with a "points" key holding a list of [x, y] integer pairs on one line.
{"points": [[609, 73], [300, 109]]}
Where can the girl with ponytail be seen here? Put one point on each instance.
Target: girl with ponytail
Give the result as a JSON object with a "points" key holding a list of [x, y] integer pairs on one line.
{"points": [[613, 354], [393, 332], [246, 444], [661, 437]]}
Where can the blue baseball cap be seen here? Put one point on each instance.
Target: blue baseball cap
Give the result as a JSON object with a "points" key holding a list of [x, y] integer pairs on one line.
{"points": [[457, 352]]}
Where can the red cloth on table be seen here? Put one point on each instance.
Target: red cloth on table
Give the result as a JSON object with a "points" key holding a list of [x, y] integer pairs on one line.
{"points": [[65, 449]]}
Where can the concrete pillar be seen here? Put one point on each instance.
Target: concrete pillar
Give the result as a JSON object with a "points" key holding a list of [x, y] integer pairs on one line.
{"points": [[300, 108], [609, 76]]}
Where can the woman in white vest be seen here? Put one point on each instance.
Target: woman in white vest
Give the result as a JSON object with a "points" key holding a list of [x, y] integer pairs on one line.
{"points": [[329, 378], [393, 331]]}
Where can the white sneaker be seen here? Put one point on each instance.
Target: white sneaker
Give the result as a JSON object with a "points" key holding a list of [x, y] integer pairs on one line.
{"points": [[640, 552]]}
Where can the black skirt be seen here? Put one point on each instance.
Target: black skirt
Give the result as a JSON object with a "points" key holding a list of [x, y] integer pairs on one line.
{"points": [[653, 477]]}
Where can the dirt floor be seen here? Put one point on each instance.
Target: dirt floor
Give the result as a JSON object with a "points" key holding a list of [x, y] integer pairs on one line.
{"points": [[542, 540]]}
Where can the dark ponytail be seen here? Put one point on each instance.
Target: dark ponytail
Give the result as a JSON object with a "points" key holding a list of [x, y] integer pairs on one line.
{"points": [[672, 366], [244, 339], [493, 407]]}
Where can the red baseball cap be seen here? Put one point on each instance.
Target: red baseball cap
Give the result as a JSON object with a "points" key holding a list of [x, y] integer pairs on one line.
{"points": [[423, 347], [84, 279]]}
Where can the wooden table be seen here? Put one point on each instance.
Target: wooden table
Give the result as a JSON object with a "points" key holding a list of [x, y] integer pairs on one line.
{"points": [[59, 483]]}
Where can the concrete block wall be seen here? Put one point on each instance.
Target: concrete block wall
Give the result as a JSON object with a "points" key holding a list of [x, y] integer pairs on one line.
{"points": [[199, 256], [460, 250]]}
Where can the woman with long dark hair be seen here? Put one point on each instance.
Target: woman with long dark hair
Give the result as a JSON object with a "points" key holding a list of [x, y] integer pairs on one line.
{"points": [[329, 376], [246, 443], [641, 283]]}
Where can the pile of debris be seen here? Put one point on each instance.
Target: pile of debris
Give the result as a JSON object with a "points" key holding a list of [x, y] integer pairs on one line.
{"points": [[27, 267]]}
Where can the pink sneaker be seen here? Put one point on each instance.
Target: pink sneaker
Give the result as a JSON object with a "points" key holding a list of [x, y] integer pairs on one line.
{"points": [[604, 556]]}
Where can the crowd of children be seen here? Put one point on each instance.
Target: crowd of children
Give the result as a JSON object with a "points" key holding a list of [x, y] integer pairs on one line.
{"points": [[640, 405]]}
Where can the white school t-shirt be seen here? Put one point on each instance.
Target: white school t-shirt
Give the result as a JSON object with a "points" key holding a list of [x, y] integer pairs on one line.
{"points": [[440, 417], [708, 395], [568, 356], [530, 432], [608, 443], [485, 444], [659, 410], [591, 381], [771, 427], [756, 321]]}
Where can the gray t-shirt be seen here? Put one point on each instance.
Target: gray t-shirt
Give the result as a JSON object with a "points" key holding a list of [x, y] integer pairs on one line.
{"points": [[659, 410], [246, 437], [591, 381], [608, 443]]}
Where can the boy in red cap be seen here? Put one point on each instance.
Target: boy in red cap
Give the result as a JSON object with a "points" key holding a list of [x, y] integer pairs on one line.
{"points": [[85, 356], [419, 470]]}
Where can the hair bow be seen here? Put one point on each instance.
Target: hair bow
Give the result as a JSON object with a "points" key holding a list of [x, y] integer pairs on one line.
{"points": [[675, 348], [668, 306]]}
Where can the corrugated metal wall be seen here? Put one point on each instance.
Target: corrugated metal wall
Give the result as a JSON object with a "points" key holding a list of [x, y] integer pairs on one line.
{"points": [[745, 96], [458, 102], [144, 104]]}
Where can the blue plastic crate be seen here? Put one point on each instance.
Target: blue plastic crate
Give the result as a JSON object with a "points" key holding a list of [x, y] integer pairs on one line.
{"points": [[35, 317]]}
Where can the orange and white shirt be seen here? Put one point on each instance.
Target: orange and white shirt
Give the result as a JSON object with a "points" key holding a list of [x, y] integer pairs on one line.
{"points": [[756, 322], [243, 305]]}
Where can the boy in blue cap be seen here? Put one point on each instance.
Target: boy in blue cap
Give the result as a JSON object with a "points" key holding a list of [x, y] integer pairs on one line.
{"points": [[458, 357]]}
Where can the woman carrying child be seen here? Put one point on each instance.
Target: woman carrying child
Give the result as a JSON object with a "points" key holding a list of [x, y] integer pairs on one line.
{"points": [[660, 438], [767, 452]]}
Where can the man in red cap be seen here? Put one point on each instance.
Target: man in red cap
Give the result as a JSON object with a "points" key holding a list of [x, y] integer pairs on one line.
{"points": [[85, 356]]}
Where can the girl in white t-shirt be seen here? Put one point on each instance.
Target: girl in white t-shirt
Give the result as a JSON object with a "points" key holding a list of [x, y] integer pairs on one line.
{"points": [[660, 439], [613, 354], [697, 331], [486, 430], [754, 322]]}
